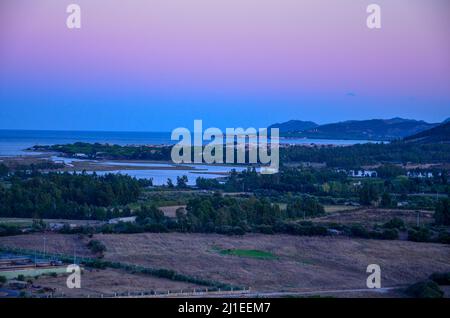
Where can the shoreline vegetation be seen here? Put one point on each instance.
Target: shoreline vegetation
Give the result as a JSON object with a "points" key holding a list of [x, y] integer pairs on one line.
{"points": [[333, 156]]}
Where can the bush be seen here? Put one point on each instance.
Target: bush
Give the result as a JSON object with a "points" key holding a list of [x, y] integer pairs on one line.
{"points": [[96, 246], [395, 223], [389, 234], [2, 280], [359, 231], [426, 289], [419, 235], [21, 278], [265, 229], [8, 230], [96, 264], [444, 237], [441, 278]]}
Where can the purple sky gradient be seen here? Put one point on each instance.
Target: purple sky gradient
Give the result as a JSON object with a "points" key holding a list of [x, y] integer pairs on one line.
{"points": [[159, 64]]}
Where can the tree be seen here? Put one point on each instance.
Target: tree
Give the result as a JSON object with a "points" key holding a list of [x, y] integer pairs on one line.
{"points": [[182, 182], [368, 193], [390, 171], [442, 212], [3, 170], [386, 200]]}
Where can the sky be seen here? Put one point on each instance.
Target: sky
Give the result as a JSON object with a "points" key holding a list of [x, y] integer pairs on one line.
{"points": [[154, 65]]}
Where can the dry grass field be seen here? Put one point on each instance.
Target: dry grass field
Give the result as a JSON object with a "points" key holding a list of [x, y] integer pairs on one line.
{"points": [[54, 243], [109, 281], [300, 263], [373, 216]]}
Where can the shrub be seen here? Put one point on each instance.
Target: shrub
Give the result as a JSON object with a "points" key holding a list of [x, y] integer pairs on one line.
{"points": [[389, 234], [2, 280], [21, 278], [265, 229], [426, 289], [444, 237], [419, 235], [395, 223], [96, 246], [359, 231], [8, 230], [96, 264]]}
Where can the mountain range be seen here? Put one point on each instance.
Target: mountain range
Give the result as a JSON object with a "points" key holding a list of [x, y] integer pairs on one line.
{"points": [[372, 129], [438, 134]]}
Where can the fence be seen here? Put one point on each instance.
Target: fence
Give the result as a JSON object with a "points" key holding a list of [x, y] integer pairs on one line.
{"points": [[213, 286], [199, 292]]}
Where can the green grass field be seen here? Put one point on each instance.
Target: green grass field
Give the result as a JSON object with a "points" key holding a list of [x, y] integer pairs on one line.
{"points": [[33, 272], [248, 253]]}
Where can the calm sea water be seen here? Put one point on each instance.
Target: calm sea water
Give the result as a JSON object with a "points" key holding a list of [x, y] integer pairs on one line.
{"points": [[14, 142]]}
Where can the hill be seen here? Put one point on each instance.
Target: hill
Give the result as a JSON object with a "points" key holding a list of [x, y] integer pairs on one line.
{"points": [[294, 126], [373, 129], [438, 134]]}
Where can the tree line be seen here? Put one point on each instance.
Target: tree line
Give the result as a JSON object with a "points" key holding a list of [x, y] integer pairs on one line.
{"points": [[66, 195]]}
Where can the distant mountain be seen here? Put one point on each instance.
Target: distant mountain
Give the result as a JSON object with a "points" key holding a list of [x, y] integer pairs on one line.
{"points": [[294, 126], [439, 134], [446, 121], [373, 129]]}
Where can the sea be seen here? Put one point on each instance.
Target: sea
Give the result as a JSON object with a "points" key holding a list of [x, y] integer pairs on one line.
{"points": [[16, 143]]}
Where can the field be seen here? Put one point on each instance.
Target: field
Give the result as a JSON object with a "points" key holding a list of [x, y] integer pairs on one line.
{"points": [[248, 253], [27, 222], [338, 208], [98, 282], [372, 216], [309, 264]]}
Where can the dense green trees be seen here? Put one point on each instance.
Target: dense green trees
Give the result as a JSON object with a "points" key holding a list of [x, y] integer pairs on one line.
{"points": [[222, 214], [66, 195], [294, 180], [108, 151], [367, 154], [343, 157], [368, 193], [305, 207], [390, 171]]}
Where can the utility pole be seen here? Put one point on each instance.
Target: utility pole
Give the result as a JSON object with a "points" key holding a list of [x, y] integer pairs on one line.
{"points": [[74, 255]]}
